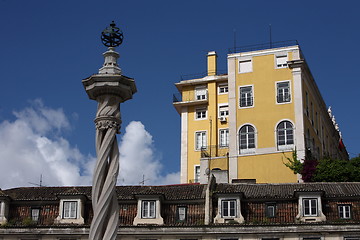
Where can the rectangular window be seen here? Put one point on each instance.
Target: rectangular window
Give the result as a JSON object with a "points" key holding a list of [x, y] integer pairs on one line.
{"points": [[224, 137], [148, 209], [181, 213], [223, 88], [201, 113], [200, 140], [197, 174], [310, 206], [270, 210], [283, 92], [223, 111], [69, 209], [246, 96], [228, 208], [200, 93], [245, 66], [35, 213], [344, 211], [281, 61]]}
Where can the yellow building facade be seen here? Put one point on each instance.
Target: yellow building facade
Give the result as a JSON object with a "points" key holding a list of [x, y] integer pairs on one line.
{"points": [[241, 126]]}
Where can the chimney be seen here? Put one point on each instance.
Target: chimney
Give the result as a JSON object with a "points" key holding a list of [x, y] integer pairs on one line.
{"points": [[211, 63]]}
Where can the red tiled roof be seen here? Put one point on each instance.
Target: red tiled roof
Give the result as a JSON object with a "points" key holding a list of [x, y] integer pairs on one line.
{"points": [[286, 191], [170, 192], [192, 191]]}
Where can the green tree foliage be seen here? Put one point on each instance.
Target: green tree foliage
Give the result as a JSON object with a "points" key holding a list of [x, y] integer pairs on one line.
{"points": [[326, 169], [293, 163]]}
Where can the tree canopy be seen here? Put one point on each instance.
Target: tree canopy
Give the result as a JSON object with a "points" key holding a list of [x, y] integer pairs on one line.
{"points": [[325, 169]]}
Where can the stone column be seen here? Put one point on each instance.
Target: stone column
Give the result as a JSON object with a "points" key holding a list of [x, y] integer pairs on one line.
{"points": [[109, 88]]}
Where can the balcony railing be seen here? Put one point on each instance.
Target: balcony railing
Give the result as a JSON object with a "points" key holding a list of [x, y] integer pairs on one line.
{"points": [[201, 75], [189, 97], [214, 151], [263, 46]]}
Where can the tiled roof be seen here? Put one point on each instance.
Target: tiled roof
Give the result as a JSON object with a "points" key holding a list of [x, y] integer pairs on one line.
{"points": [[169, 192], [45, 193], [284, 191], [192, 191]]}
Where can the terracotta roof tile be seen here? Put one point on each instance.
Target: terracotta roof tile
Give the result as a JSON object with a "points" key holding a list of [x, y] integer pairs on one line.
{"points": [[284, 191], [170, 192]]}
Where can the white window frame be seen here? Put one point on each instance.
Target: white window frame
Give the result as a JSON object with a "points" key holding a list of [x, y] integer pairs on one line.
{"points": [[35, 214], [252, 98], [312, 209], [201, 113], [181, 213], [245, 65], [284, 100], [146, 201], [200, 93], [230, 212], [224, 137], [65, 217], [223, 88], [281, 64], [148, 209], [286, 130], [248, 149], [223, 110], [203, 144], [344, 211], [197, 173], [70, 209], [223, 218]]}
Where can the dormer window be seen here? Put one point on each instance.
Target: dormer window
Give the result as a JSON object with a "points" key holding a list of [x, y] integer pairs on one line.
{"points": [[310, 207], [229, 209], [71, 210], [148, 211]]}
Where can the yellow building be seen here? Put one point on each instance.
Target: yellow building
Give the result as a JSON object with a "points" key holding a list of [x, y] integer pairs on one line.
{"points": [[242, 125]]}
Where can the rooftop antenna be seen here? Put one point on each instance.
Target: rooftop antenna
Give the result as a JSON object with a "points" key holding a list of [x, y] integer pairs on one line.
{"points": [[270, 35], [39, 185], [142, 183]]}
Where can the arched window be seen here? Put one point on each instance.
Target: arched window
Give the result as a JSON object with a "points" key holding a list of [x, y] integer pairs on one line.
{"points": [[247, 139], [285, 135]]}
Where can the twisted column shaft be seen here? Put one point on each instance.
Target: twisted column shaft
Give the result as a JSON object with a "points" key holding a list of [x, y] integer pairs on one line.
{"points": [[104, 199]]}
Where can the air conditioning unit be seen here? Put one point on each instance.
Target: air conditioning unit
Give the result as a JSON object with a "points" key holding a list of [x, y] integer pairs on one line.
{"points": [[222, 119]]}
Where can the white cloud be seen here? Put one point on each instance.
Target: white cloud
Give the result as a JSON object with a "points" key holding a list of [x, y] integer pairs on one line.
{"points": [[138, 159], [32, 145]]}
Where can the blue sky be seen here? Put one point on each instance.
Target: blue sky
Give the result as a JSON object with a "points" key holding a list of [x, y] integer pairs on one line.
{"points": [[48, 47]]}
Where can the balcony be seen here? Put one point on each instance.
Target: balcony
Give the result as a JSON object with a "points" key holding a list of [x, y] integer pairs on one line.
{"points": [[188, 99], [214, 151]]}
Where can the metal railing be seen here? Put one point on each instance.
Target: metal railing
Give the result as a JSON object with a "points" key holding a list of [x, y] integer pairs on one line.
{"points": [[214, 151], [188, 97], [263, 46], [201, 75]]}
